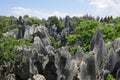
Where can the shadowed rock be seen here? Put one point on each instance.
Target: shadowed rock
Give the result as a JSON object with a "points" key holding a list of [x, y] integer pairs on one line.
{"points": [[111, 60], [62, 58], [24, 67], [88, 67], [97, 46]]}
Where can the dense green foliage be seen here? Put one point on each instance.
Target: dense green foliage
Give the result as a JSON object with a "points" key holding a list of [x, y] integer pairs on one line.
{"points": [[54, 20], [8, 23], [86, 30], [55, 44], [71, 39], [110, 77], [86, 26], [8, 47], [32, 20]]}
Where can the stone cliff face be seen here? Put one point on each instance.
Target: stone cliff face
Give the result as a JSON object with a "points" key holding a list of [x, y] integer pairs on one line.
{"points": [[43, 62]]}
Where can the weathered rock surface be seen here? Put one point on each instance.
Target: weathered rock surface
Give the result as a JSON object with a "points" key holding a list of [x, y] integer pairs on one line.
{"points": [[97, 46], [38, 77], [78, 55], [41, 61], [10, 77]]}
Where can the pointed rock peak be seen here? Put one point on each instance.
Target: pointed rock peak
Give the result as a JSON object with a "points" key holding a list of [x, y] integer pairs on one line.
{"points": [[111, 51], [97, 39], [79, 54]]}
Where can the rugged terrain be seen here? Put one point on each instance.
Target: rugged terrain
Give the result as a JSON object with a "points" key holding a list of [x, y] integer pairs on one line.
{"points": [[52, 55]]}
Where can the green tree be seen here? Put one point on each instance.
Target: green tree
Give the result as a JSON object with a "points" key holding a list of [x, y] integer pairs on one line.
{"points": [[54, 20]]}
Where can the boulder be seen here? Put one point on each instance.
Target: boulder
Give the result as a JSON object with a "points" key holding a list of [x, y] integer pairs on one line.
{"points": [[38, 77]]}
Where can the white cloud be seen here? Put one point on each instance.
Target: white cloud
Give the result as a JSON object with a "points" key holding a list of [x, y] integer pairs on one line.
{"points": [[101, 3], [20, 11], [106, 7]]}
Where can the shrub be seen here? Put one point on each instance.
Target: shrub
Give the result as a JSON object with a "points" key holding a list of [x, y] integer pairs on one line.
{"points": [[110, 77], [71, 39], [8, 47], [55, 44]]}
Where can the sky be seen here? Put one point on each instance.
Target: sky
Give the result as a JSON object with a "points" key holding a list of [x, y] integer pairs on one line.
{"points": [[60, 8]]}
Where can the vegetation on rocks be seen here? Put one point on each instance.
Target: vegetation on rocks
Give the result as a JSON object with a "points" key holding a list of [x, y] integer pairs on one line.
{"points": [[59, 36], [110, 77]]}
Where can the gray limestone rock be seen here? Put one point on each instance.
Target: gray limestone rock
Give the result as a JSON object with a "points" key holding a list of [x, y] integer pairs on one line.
{"points": [[70, 70], [10, 77], [67, 21], [43, 62], [64, 33], [12, 34], [62, 58], [53, 31], [111, 61], [24, 67], [118, 75], [78, 55], [38, 77], [50, 69], [83, 71], [28, 32], [38, 45], [97, 45], [88, 67], [116, 43]]}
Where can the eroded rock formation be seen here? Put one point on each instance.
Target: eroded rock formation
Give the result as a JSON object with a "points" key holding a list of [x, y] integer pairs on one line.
{"points": [[41, 61]]}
